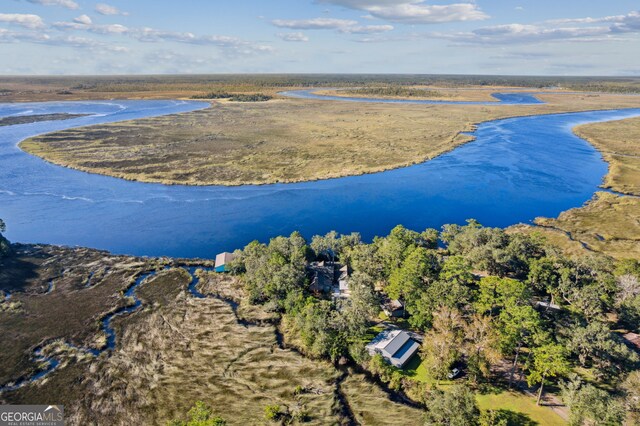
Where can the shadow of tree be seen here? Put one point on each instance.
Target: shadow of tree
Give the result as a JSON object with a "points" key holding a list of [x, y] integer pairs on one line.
{"points": [[513, 419]]}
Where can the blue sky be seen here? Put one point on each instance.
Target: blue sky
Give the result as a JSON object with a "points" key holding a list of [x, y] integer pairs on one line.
{"points": [[541, 37]]}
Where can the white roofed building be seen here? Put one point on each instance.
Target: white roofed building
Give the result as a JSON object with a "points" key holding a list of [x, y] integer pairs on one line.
{"points": [[396, 346]]}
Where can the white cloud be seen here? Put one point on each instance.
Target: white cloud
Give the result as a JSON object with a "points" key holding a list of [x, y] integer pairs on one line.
{"points": [[84, 23], [346, 26], [580, 29], [314, 24], [69, 4], [83, 19], [619, 23], [414, 11], [105, 9], [24, 20], [7, 36], [366, 29], [295, 37]]}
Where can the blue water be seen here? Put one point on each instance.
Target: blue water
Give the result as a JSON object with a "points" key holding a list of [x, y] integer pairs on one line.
{"points": [[516, 170]]}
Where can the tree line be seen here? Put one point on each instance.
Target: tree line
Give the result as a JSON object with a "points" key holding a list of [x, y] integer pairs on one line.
{"points": [[481, 296]]}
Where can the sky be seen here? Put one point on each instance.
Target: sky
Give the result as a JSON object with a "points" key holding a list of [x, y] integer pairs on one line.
{"points": [[516, 37]]}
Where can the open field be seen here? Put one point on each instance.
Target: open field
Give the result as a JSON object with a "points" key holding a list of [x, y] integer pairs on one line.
{"points": [[607, 224], [283, 140], [522, 409], [24, 119], [430, 93]]}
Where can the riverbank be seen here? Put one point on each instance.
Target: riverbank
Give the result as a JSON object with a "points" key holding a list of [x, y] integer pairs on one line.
{"points": [[607, 224], [286, 140]]}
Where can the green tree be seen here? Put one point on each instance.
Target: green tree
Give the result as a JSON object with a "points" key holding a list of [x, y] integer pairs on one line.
{"points": [[596, 346], [481, 346], [495, 293], [326, 245], [273, 412], [544, 275], [408, 282], [362, 304], [200, 415], [549, 361], [631, 389], [394, 248], [5, 245], [590, 405], [457, 269], [443, 342], [438, 293], [274, 270], [317, 328], [456, 407]]}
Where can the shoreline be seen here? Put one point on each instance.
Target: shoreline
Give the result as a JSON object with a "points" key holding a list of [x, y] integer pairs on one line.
{"points": [[467, 133]]}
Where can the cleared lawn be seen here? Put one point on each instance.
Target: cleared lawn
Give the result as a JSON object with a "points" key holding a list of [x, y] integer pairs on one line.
{"points": [[523, 409]]}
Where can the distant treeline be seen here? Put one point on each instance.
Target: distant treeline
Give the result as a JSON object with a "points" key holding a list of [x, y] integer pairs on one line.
{"points": [[257, 82], [400, 91], [254, 97]]}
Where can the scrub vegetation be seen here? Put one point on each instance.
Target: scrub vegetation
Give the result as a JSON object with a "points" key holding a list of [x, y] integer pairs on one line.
{"points": [[161, 87], [264, 347], [24, 119]]}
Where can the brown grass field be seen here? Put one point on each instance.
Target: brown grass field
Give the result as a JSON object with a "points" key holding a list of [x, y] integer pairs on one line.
{"points": [[174, 351], [619, 143], [283, 140]]}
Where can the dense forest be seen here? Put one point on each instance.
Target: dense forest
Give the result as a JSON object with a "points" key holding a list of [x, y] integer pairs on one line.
{"points": [[399, 91], [481, 297], [256, 97]]}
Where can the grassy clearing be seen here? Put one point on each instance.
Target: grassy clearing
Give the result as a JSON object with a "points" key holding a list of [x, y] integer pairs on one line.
{"points": [[284, 140], [522, 409], [608, 224]]}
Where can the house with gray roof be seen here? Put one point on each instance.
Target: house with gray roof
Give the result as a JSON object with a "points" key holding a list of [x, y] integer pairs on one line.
{"points": [[396, 346]]}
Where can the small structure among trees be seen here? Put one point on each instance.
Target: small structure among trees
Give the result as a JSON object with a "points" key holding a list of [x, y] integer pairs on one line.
{"points": [[223, 260], [396, 346]]}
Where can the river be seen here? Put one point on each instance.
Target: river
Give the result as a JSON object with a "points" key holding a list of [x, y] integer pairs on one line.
{"points": [[516, 170]]}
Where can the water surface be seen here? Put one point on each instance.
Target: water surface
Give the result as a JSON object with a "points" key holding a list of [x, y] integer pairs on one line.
{"points": [[516, 170]]}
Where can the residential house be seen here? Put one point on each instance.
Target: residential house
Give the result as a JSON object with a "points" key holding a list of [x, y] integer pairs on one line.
{"points": [[396, 346], [393, 308], [222, 260], [342, 289], [322, 276]]}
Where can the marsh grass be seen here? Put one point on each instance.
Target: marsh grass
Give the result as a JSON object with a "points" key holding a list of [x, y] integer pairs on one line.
{"points": [[283, 140]]}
